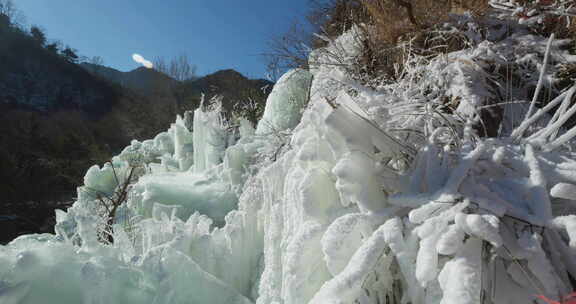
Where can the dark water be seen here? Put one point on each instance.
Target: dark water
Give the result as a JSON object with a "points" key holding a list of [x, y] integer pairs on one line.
{"points": [[29, 217]]}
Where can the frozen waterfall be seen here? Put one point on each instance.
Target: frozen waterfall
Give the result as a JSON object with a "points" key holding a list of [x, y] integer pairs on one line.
{"points": [[322, 203]]}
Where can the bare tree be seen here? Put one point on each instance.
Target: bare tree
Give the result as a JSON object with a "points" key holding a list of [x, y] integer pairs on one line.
{"points": [[289, 50], [95, 63], [160, 65], [109, 204], [96, 60], [330, 18], [179, 67]]}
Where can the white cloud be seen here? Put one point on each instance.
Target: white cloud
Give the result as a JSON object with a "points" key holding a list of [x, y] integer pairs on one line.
{"points": [[138, 58]]}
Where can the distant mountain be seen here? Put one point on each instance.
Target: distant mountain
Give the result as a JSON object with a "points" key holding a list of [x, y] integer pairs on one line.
{"points": [[226, 83], [236, 89], [143, 80]]}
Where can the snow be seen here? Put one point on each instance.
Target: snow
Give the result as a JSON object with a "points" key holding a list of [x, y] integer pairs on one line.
{"points": [[564, 190], [342, 194], [451, 241], [460, 278]]}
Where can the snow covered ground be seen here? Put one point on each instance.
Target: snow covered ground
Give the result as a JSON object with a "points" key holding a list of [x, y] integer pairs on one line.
{"points": [[341, 194]]}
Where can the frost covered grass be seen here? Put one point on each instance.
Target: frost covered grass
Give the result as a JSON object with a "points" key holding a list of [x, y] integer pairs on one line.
{"points": [[449, 186]]}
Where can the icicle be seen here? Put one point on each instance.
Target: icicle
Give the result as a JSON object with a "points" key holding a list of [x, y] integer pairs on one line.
{"points": [[541, 78], [519, 132], [566, 137], [526, 123], [560, 117], [460, 279]]}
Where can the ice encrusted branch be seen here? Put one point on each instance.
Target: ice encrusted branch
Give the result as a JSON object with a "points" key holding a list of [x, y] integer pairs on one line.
{"points": [[519, 132]]}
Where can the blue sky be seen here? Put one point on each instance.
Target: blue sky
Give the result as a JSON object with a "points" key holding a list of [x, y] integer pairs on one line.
{"points": [[215, 34]]}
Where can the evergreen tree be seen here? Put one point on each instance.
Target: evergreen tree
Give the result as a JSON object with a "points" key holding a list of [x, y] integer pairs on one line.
{"points": [[52, 47], [38, 35], [70, 54], [55, 46]]}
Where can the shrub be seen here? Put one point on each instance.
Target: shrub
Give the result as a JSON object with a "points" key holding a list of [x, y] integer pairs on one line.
{"points": [[396, 27], [396, 18]]}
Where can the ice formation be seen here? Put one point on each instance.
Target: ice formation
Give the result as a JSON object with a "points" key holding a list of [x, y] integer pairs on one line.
{"points": [[330, 200]]}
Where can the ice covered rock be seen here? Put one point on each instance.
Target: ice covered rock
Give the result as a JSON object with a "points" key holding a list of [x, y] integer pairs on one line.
{"points": [[286, 102]]}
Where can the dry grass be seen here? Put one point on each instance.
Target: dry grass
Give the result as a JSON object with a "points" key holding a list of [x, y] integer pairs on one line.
{"points": [[563, 27], [395, 18], [392, 22], [334, 17]]}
